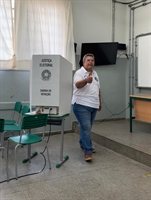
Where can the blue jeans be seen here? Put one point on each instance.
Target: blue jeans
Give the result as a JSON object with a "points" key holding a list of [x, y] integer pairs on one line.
{"points": [[85, 116]]}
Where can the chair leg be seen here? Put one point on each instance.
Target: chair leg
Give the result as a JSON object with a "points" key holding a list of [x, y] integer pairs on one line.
{"points": [[0, 139], [16, 161], [6, 160], [6, 157], [7, 148], [29, 153], [2, 144], [7, 152]]}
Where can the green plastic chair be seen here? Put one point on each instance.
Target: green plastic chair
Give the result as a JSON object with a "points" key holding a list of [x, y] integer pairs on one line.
{"points": [[26, 109], [15, 114], [28, 123], [1, 130], [13, 128]]}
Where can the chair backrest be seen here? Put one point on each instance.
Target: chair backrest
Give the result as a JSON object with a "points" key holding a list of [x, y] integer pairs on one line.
{"points": [[18, 106], [25, 109], [34, 121], [17, 109], [2, 125]]}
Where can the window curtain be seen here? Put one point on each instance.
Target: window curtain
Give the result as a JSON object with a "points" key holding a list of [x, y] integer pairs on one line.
{"points": [[43, 27], [6, 35]]}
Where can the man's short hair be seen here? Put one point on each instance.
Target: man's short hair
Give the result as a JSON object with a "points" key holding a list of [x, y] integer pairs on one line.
{"points": [[86, 55]]}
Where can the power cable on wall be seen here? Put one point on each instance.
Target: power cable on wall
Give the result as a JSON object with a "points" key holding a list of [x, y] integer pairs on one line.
{"points": [[123, 54], [112, 114]]}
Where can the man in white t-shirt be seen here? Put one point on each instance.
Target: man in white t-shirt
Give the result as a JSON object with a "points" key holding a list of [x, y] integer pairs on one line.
{"points": [[86, 101]]}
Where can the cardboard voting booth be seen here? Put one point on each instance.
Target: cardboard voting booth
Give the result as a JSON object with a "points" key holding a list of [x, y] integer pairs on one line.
{"points": [[50, 84]]}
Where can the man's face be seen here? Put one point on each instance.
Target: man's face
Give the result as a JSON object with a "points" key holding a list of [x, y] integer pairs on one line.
{"points": [[89, 62]]}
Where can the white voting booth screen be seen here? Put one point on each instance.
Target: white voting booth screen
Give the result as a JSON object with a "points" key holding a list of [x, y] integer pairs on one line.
{"points": [[50, 84], [144, 61]]}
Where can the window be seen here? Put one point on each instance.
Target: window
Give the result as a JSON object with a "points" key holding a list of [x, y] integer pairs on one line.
{"points": [[40, 27], [6, 27]]}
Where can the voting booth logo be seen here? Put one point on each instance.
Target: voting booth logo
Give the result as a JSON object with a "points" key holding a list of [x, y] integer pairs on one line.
{"points": [[45, 75]]}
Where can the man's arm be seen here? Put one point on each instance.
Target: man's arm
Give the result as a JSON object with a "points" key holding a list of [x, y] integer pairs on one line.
{"points": [[100, 106], [82, 83]]}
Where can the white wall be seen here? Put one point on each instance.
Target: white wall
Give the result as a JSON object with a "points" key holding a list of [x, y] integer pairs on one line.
{"points": [[142, 24], [142, 19], [120, 23], [92, 22]]}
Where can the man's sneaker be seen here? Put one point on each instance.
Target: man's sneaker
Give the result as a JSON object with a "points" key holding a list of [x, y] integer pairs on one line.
{"points": [[88, 156], [93, 150]]}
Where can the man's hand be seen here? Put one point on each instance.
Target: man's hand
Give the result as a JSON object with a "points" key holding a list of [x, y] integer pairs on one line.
{"points": [[100, 107], [89, 79]]}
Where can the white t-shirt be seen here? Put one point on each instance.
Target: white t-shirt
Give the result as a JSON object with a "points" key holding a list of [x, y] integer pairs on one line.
{"points": [[89, 94]]}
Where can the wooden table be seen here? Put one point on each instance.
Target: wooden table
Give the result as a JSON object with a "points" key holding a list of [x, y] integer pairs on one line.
{"points": [[142, 108]]}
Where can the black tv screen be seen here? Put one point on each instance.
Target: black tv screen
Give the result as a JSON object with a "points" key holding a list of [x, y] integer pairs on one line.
{"points": [[105, 53]]}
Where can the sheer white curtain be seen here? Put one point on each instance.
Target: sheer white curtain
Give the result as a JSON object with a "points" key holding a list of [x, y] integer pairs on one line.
{"points": [[44, 27], [6, 36]]}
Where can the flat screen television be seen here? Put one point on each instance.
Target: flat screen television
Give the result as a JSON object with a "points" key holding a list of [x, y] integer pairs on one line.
{"points": [[105, 53]]}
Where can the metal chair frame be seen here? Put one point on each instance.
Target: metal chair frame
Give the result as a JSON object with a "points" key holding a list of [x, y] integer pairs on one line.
{"points": [[28, 123], [13, 128], [3, 148]]}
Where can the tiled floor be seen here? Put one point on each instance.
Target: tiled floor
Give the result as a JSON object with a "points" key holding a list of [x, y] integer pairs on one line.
{"points": [[110, 176], [119, 130]]}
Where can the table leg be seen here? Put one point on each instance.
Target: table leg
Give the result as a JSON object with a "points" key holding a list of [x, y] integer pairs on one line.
{"points": [[62, 160], [130, 114]]}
